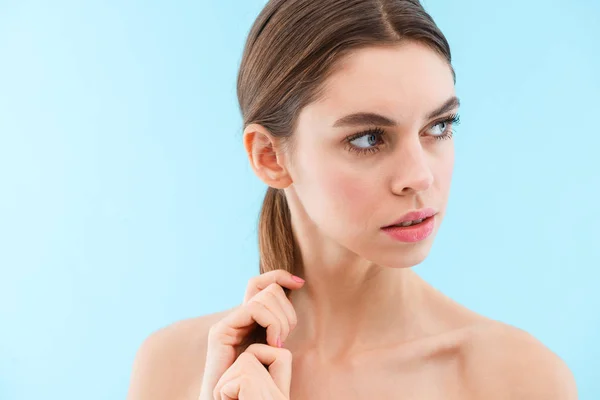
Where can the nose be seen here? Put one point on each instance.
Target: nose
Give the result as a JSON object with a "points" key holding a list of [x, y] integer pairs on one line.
{"points": [[413, 171]]}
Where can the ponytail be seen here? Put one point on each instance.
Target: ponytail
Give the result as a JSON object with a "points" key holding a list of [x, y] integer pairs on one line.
{"points": [[276, 244]]}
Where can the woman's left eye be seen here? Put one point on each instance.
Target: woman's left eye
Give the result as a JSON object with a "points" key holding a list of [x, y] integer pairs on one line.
{"points": [[443, 129], [439, 128]]}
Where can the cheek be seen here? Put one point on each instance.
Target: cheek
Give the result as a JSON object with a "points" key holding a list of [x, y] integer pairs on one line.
{"points": [[337, 196], [443, 173], [346, 190]]}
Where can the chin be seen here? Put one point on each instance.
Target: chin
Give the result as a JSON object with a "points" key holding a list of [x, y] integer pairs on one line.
{"points": [[405, 256], [406, 262]]}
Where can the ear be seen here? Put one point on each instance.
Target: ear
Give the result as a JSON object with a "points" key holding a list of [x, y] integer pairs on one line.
{"points": [[266, 156]]}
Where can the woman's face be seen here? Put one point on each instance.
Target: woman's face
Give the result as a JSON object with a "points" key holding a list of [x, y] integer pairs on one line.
{"points": [[354, 177]]}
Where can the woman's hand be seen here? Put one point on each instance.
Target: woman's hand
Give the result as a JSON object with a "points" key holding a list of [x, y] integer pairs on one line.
{"points": [[248, 379], [265, 304]]}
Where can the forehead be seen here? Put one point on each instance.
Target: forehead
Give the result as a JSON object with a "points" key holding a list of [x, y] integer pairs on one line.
{"points": [[400, 81]]}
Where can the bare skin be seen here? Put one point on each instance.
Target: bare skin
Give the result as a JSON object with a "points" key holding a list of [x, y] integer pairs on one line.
{"points": [[363, 325], [482, 359]]}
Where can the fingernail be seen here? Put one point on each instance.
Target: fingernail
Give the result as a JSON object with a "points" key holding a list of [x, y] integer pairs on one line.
{"points": [[278, 341], [298, 279]]}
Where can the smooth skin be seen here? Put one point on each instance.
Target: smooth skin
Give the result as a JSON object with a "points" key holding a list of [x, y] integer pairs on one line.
{"points": [[363, 325]]}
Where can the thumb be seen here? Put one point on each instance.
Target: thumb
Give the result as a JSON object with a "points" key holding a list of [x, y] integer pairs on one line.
{"points": [[279, 363]]}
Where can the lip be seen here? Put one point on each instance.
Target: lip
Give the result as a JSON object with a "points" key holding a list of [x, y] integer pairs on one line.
{"points": [[412, 234], [413, 216]]}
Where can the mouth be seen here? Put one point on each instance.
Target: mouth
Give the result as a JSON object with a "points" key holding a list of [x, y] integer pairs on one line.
{"points": [[406, 224], [412, 227], [411, 231], [413, 218]]}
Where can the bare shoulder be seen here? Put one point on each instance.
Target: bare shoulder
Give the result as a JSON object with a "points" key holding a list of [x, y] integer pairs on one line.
{"points": [[506, 362], [170, 362]]}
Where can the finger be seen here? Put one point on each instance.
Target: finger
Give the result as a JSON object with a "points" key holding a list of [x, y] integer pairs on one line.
{"points": [[247, 315], [272, 298], [277, 361], [281, 277], [247, 371], [276, 334], [286, 309], [241, 388], [286, 305], [231, 390]]}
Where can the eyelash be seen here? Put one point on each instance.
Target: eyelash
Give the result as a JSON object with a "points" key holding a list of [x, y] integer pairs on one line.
{"points": [[451, 120]]}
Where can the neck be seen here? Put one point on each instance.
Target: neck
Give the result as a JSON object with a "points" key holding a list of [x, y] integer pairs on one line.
{"points": [[348, 305]]}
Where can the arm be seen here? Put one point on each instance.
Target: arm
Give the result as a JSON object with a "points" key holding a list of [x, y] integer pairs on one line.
{"points": [[187, 359]]}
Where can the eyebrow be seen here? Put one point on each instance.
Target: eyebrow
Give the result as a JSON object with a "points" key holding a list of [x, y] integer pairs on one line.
{"points": [[368, 118]]}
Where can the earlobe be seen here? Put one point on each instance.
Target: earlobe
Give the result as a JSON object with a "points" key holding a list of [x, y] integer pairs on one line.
{"points": [[265, 156]]}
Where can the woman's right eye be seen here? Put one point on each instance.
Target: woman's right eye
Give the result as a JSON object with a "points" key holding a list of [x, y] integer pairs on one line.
{"points": [[365, 142]]}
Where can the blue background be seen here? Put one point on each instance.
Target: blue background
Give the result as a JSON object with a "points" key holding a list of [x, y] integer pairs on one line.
{"points": [[127, 202]]}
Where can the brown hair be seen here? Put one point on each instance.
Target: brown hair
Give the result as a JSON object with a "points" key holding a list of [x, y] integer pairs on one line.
{"points": [[290, 51]]}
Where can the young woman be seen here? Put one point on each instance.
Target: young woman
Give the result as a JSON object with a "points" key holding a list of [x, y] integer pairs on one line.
{"points": [[349, 107]]}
